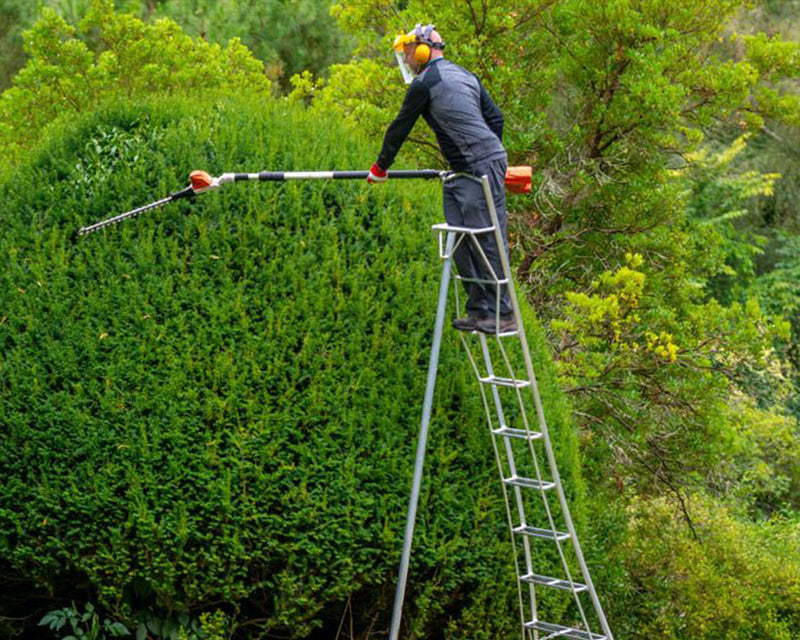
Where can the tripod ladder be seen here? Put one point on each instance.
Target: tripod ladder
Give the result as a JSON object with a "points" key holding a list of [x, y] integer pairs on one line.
{"points": [[536, 506]]}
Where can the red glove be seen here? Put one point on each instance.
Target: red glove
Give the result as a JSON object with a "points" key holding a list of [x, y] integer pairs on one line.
{"points": [[376, 174]]}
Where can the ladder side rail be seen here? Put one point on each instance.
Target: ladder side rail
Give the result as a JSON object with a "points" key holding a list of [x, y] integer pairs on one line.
{"points": [[539, 482], [509, 451], [539, 410], [500, 417], [513, 469], [421, 444]]}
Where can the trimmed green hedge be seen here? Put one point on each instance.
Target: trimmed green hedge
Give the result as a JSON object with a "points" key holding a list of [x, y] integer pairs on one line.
{"points": [[215, 406]]}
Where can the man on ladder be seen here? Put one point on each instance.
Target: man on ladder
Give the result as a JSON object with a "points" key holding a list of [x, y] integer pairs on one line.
{"points": [[469, 128]]}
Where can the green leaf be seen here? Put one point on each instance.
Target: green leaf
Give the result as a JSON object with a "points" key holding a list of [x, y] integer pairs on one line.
{"points": [[48, 617], [118, 629]]}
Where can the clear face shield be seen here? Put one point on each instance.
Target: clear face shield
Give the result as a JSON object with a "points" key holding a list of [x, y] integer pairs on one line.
{"points": [[399, 45], [408, 74]]}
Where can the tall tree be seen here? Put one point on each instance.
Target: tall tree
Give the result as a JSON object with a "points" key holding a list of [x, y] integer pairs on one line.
{"points": [[609, 101]]}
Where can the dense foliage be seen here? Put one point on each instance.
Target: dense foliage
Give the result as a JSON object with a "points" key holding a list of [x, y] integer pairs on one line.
{"points": [[214, 408], [613, 103], [208, 415], [732, 579], [289, 36], [639, 245], [65, 76]]}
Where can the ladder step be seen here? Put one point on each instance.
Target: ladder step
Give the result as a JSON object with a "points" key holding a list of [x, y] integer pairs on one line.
{"points": [[533, 532], [557, 631], [523, 434], [470, 231], [553, 582], [506, 382], [483, 280], [529, 482]]}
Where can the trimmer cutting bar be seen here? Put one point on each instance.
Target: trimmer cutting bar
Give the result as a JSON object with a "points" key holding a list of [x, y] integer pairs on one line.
{"points": [[188, 192]]}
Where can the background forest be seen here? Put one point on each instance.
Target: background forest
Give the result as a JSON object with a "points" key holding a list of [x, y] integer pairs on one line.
{"points": [[207, 417]]}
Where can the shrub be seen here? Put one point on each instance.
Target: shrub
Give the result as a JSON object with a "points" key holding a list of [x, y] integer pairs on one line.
{"points": [[734, 579], [213, 409]]}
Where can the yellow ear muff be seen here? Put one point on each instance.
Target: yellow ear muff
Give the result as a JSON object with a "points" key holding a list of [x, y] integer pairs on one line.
{"points": [[422, 53]]}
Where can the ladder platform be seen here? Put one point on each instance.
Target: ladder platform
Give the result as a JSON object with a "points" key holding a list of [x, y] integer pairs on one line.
{"points": [[529, 483], [534, 532], [470, 231], [557, 631], [553, 582], [522, 434], [506, 382]]}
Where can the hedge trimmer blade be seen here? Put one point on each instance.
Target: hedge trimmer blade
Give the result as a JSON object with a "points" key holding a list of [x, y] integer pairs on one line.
{"points": [[123, 216], [200, 181]]}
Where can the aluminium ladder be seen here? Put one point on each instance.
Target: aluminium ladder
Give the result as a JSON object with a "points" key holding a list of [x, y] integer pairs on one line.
{"points": [[518, 451]]}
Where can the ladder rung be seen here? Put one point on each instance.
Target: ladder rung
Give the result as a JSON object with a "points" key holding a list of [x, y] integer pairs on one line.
{"points": [[547, 534], [465, 230], [506, 382], [523, 434], [530, 483], [557, 631], [553, 582], [482, 280]]}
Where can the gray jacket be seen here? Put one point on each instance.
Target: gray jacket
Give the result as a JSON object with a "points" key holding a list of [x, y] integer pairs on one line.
{"points": [[467, 123]]}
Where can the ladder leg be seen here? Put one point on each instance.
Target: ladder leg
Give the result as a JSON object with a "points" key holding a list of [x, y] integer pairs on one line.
{"points": [[411, 516]]}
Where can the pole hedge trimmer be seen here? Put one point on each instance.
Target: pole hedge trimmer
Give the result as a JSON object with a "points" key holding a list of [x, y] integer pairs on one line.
{"points": [[518, 180]]}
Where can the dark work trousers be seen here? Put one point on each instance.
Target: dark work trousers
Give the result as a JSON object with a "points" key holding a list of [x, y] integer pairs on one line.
{"points": [[465, 206]]}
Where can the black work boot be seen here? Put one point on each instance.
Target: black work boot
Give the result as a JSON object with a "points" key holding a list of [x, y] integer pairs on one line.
{"points": [[468, 323], [507, 324]]}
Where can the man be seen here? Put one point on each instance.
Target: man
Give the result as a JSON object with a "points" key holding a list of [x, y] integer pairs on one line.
{"points": [[469, 128]]}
